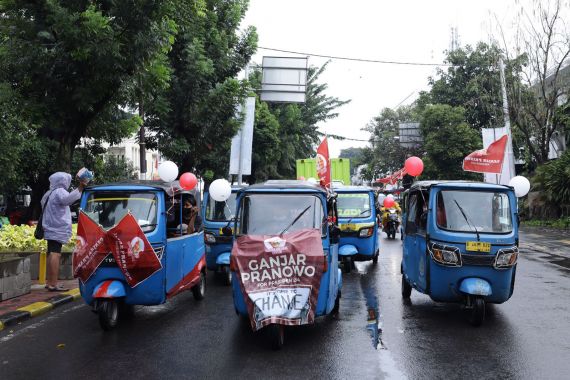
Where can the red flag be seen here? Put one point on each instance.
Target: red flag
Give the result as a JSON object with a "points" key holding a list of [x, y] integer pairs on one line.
{"points": [[489, 160], [132, 251], [323, 164], [90, 247]]}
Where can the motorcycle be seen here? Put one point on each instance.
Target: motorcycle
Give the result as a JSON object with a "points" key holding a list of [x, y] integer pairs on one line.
{"points": [[392, 224]]}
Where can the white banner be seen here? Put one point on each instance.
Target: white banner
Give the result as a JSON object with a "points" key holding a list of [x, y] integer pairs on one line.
{"points": [[493, 134]]}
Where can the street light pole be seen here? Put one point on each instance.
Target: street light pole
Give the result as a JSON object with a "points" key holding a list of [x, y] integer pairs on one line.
{"points": [[510, 155]]}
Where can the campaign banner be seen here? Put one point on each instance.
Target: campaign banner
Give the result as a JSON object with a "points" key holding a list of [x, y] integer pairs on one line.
{"points": [[488, 160], [132, 251], [280, 276], [323, 164], [90, 247]]}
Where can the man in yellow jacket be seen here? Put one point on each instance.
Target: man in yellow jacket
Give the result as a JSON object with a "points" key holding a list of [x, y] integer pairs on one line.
{"points": [[386, 211]]}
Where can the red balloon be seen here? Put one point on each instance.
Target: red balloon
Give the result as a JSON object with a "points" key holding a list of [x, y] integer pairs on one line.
{"points": [[301, 178], [414, 166], [389, 202], [188, 181]]}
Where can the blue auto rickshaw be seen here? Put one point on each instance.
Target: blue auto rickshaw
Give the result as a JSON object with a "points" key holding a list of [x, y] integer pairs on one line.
{"points": [[276, 207], [216, 217], [460, 243], [357, 221], [158, 208]]}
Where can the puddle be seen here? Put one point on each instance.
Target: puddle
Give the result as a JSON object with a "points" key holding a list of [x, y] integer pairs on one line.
{"points": [[373, 325], [565, 263]]}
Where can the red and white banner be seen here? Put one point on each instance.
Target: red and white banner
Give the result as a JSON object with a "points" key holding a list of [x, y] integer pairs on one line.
{"points": [[488, 160], [132, 251], [279, 276], [127, 242], [90, 247], [323, 164], [393, 178]]}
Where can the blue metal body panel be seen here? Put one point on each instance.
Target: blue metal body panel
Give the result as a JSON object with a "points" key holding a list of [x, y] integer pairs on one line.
{"points": [[214, 251], [330, 280], [366, 247], [115, 289], [449, 283], [181, 255]]}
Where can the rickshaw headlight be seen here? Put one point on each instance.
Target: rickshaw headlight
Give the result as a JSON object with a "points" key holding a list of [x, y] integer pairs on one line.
{"points": [[366, 232], [444, 254], [209, 238], [506, 257]]}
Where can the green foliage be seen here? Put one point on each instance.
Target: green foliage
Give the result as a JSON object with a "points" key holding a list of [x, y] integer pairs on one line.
{"points": [[289, 131], [553, 178], [356, 157], [194, 118], [448, 139], [21, 239], [562, 223]]}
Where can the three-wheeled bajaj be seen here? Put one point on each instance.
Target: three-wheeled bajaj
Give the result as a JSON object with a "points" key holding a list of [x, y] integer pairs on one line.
{"points": [[357, 221], [460, 243], [160, 210], [216, 217], [285, 255]]}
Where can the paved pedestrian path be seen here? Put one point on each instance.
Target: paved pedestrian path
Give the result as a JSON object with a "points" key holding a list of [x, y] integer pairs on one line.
{"points": [[38, 294]]}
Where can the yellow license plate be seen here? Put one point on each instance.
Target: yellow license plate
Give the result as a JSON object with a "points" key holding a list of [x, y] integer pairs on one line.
{"points": [[478, 246], [222, 232], [348, 227]]}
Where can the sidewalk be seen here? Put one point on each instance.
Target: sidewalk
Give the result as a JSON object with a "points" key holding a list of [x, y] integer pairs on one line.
{"points": [[547, 240], [37, 302]]}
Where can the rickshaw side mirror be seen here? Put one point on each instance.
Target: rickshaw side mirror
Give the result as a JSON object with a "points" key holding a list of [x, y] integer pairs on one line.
{"points": [[227, 231]]}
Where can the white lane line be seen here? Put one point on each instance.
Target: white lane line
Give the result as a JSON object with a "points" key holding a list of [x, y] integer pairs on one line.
{"points": [[37, 324]]}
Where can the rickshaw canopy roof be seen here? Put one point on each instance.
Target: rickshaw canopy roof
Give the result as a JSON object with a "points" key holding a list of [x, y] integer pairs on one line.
{"points": [[353, 189], [459, 185], [172, 188], [285, 186]]}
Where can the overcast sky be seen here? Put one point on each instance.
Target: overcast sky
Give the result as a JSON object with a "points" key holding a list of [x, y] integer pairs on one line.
{"points": [[413, 31]]}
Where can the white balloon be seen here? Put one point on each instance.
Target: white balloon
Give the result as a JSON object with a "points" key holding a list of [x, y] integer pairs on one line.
{"points": [[312, 180], [381, 198], [168, 171], [390, 196], [521, 185], [220, 190]]}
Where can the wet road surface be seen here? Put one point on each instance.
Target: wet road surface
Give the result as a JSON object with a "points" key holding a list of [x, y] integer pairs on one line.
{"points": [[528, 337]]}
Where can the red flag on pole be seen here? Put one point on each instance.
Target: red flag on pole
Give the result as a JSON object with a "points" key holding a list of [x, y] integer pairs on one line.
{"points": [[132, 251], [323, 164], [488, 160], [90, 247]]}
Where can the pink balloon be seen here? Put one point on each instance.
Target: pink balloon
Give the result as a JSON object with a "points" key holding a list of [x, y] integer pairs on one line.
{"points": [[389, 202], [414, 166], [301, 178], [188, 181]]}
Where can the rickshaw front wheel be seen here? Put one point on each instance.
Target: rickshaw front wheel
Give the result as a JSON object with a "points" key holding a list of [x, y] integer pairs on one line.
{"points": [[477, 315], [346, 264], [108, 312], [406, 288], [277, 336], [199, 290]]}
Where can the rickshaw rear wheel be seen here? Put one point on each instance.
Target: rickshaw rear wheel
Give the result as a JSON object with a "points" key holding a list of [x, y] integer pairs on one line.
{"points": [[477, 315], [336, 306], [406, 288], [375, 258], [199, 290], [226, 274], [277, 336], [346, 264], [108, 312]]}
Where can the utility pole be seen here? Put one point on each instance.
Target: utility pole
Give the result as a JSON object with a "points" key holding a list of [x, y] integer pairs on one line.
{"points": [[510, 155]]}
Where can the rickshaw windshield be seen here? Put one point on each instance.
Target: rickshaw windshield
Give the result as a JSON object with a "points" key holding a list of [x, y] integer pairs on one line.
{"points": [[354, 206], [465, 211], [270, 214], [108, 208], [218, 211]]}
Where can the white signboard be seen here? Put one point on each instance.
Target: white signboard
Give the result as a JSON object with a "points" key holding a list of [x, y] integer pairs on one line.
{"points": [[240, 158], [284, 79], [410, 135]]}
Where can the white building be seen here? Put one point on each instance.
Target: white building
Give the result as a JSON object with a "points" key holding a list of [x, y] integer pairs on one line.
{"points": [[129, 150]]}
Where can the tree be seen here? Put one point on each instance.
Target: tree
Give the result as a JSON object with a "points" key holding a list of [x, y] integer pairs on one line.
{"points": [[447, 140], [298, 133], [472, 82], [538, 77], [386, 151], [194, 119], [356, 157]]}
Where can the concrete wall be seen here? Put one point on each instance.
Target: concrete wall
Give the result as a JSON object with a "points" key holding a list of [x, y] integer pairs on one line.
{"points": [[14, 277]]}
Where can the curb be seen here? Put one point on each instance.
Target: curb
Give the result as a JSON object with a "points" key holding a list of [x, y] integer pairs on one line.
{"points": [[37, 308]]}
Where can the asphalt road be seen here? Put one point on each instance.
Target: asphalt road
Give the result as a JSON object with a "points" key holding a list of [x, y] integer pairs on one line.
{"points": [[528, 337]]}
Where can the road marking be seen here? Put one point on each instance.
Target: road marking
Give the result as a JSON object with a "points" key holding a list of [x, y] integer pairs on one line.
{"points": [[40, 323]]}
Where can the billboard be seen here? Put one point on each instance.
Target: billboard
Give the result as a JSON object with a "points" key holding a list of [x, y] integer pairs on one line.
{"points": [[284, 79]]}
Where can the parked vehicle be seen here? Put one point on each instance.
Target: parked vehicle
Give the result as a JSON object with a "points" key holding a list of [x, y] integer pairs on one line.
{"points": [[158, 207], [340, 170], [357, 221], [270, 216], [217, 216], [460, 243]]}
